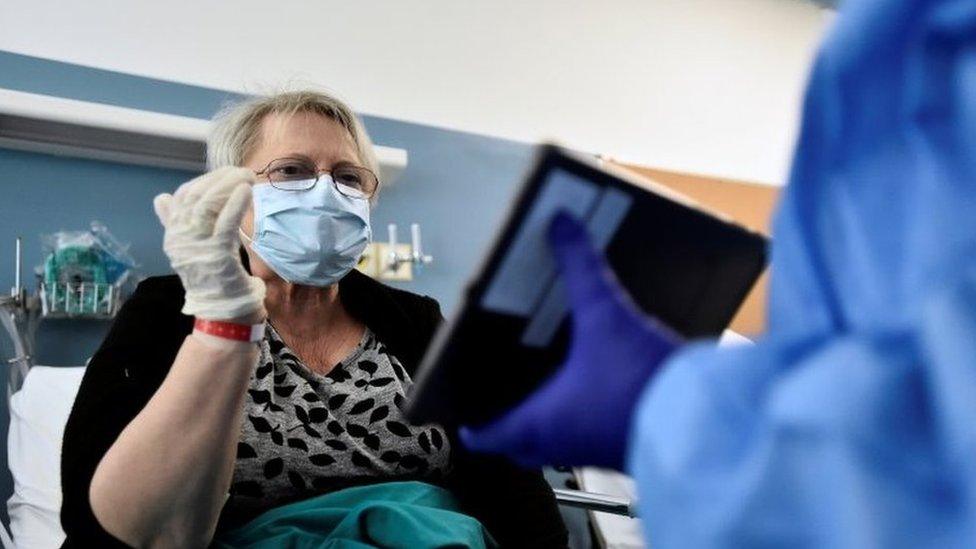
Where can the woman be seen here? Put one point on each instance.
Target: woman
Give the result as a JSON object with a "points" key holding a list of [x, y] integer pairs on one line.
{"points": [[173, 438]]}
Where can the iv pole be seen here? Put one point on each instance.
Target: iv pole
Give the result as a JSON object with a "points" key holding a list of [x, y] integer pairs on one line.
{"points": [[20, 316]]}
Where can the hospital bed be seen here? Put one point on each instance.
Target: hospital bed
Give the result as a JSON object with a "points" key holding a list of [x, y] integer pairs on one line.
{"points": [[38, 413]]}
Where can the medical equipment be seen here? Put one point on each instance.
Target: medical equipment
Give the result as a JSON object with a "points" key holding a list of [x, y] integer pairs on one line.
{"points": [[20, 314], [394, 259], [83, 273], [83, 276], [603, 503]]}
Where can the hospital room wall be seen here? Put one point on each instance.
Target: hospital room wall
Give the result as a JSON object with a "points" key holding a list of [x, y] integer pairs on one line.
{"points": [[699, 86], [456, 185]]}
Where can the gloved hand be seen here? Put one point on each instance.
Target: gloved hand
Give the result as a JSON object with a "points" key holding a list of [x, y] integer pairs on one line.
{"points": [[582, 414], [201, 220]]}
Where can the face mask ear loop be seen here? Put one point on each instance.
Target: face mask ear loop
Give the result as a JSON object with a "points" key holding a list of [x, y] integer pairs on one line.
{"points": [[249, 240]]}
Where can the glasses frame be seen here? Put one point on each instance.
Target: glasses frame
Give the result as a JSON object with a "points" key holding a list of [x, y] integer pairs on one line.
{"points": [[318, 174]]}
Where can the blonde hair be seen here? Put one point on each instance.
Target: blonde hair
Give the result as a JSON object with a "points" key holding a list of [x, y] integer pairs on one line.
{"points": [[237, 127]]}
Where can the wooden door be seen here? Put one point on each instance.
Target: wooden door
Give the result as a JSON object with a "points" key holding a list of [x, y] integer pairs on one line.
{"points": [[750, 204]]}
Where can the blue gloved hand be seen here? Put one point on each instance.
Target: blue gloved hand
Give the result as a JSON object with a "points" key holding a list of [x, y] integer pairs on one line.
{"points": [[582, 414]]}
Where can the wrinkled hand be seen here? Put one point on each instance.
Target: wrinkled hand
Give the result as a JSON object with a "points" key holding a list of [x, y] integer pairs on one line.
{"points": [[582, 415], [201, 220]]}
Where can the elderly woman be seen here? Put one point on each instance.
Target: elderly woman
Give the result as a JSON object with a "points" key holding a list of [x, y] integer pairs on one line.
{"points": [[258, 378]]}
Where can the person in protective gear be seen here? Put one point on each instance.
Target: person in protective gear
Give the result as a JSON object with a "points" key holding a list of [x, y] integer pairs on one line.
{"points": [[850, 422]]}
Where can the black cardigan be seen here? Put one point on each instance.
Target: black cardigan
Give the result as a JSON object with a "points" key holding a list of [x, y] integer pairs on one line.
{"points": [[517, 506]]}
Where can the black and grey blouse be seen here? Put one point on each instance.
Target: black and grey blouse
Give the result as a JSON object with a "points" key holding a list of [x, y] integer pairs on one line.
{"points": [[307, 433]]}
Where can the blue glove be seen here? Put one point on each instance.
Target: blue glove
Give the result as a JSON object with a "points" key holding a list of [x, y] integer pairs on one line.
{"points": [[582, 414]]}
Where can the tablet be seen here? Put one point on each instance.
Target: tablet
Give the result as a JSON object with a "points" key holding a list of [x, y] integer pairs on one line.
{"points": [[686, 266]]}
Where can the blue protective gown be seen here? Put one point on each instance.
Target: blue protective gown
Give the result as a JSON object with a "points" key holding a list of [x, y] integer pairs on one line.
{"points": [[852, 422]]}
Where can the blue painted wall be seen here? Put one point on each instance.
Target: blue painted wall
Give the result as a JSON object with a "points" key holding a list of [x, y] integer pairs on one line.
{"points": [[457, 185]]}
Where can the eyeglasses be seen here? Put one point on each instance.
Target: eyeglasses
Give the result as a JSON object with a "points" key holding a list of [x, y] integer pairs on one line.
{"points": [[296, 174]]}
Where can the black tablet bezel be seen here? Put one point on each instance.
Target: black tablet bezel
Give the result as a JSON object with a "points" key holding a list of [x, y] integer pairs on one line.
{"points": [[432, 399]]}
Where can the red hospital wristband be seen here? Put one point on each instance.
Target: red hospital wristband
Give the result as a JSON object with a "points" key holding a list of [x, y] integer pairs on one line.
{"points": [[230, 330]]}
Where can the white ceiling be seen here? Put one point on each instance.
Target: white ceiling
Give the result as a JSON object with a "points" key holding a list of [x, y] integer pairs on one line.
{"points": [[709, 86]]}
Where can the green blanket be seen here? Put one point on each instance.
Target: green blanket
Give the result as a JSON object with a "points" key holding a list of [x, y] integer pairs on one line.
{"points": [[392, 514]]}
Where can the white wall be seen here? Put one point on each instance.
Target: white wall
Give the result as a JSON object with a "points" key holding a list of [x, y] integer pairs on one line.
{"points": [[708, 86]]}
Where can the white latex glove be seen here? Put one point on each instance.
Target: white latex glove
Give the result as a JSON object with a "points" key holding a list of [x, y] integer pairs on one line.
{"points": [[201, 220]]}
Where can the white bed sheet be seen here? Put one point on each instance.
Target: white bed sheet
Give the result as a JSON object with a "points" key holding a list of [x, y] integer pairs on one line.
{"points": [[38, 413]]}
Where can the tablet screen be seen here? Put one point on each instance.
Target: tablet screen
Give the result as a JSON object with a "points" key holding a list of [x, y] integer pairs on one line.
{"points": [[526, 284]]}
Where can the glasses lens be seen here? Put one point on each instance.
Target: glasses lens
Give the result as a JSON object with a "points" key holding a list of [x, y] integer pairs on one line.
{"points": [[355, 181], [291, 175], [301, 185]]}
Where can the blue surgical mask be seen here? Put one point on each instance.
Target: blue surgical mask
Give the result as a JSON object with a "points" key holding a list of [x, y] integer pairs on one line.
{"points": [[312, 237]]}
